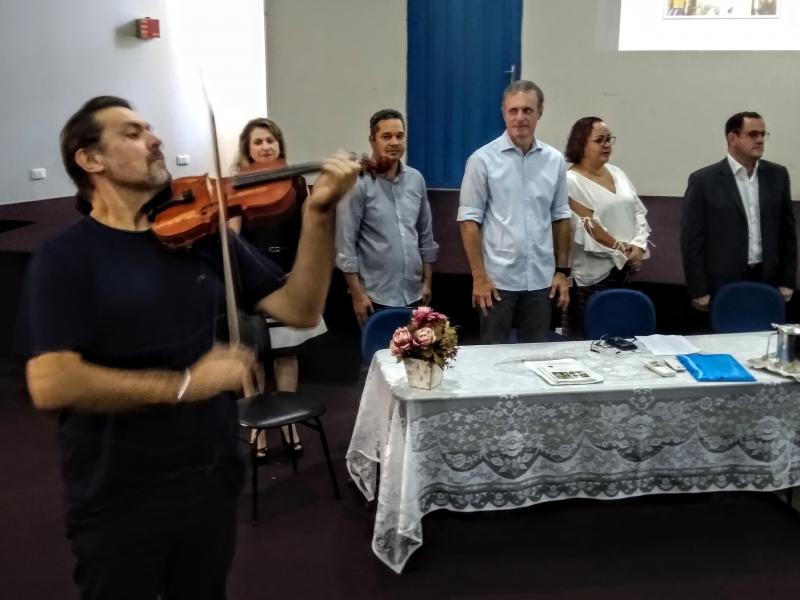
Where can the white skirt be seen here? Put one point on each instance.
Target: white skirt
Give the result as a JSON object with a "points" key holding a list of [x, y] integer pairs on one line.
{"points": [[283, 337]]}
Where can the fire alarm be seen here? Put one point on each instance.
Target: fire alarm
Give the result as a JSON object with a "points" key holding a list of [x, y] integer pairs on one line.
{"points": [[147, 28]]}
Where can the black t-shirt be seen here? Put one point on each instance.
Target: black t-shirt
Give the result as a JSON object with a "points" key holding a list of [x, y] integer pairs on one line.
{"points": [[121, 299]]}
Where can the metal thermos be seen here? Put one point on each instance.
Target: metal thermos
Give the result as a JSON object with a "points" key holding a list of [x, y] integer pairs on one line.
{"points": [[788, 350]]}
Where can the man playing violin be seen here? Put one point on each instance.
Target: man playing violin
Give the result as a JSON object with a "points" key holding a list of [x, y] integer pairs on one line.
{"points": [[123, 334], [384, 233]]}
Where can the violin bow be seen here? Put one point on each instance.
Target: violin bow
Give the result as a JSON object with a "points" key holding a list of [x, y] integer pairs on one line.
{"points": [[234, 335]]}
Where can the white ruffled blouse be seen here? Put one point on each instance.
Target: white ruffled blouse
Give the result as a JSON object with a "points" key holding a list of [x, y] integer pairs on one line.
{"points": [[621, 213]]}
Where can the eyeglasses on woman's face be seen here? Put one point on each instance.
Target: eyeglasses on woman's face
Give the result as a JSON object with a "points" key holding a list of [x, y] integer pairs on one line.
{"points": [[606, 139]]}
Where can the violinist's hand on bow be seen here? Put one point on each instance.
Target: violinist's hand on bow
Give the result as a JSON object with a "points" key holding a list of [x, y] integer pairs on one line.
{"points": [[221, 369], [339, 174]]}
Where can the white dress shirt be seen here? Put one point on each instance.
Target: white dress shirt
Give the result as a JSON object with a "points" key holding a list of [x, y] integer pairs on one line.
{"points": [[748, 190]]}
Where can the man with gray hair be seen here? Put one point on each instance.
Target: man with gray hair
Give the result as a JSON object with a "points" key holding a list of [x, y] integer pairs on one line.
{"points": [[514, 216]]}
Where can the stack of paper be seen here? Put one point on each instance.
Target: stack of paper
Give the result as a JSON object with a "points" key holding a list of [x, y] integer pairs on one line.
{"points": [[667, 345], [563, 371]]}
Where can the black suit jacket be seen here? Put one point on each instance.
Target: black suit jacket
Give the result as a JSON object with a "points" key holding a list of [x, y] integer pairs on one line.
{"points": [[714, 228]]}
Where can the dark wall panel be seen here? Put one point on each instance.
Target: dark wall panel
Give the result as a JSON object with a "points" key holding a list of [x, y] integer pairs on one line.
{"points": [[335, 356]]}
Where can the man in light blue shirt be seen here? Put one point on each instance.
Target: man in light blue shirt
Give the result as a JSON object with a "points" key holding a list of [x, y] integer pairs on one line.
{"points": [[514, 216], [384, 233]]}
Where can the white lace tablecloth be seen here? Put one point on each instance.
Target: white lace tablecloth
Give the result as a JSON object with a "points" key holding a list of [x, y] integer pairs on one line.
{"points": [[495, 436]]}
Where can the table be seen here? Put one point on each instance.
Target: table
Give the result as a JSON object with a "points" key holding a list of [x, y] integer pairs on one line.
{"points": [[494, 436]]}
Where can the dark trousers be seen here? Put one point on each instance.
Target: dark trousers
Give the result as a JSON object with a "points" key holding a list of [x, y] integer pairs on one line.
{"points": [[376, 307], [176, 543], [529, 311], [755, 273]]}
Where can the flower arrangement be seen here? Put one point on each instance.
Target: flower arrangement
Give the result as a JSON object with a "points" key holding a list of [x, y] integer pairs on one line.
{"points": [[428, 336]]}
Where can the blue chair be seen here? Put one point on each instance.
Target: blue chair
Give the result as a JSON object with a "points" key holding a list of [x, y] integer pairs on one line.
{"points": [[746, 306], [378, 330], [619, 312]]}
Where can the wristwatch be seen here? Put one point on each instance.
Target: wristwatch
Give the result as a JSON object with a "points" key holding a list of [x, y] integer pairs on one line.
{"points": [[565, 271]]}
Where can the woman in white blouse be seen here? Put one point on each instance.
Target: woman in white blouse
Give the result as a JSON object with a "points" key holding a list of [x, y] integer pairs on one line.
{"points": [[609, 225]]}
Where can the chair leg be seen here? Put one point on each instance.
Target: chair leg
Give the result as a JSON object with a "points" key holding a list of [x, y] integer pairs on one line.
{"points": [[328, 460], [254, 477], [289, 448]]}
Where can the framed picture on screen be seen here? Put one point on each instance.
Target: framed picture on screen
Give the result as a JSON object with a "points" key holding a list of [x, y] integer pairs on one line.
{"points": [[721, 9]]}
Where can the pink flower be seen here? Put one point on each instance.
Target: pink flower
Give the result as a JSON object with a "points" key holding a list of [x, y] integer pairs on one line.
{"points": [[429, 336], [424, 337], [425, 315], [401, 341]]}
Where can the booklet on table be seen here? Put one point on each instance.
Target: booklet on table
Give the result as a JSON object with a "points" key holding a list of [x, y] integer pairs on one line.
{"points": [[563, 371]]}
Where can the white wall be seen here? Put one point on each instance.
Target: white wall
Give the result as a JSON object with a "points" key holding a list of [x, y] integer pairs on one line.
{"points": [[331, 65], [667, 109], [58, 54]]}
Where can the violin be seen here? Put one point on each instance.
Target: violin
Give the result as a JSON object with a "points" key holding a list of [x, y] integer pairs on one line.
{"points": [[260, 195], [198, 206]]}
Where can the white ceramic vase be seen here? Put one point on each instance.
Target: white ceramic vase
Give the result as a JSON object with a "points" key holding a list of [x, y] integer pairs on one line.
{"points": [[422, 373]]}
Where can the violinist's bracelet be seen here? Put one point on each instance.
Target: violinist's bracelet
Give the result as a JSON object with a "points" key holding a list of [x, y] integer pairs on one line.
{"points": [[187, 377]]}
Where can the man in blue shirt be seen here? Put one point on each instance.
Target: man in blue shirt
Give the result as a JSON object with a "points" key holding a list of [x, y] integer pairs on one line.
{"points": [[384, 236], [514, 217]]}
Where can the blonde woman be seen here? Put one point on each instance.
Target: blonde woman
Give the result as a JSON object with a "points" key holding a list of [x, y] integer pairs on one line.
{"points": [[261, 143]]}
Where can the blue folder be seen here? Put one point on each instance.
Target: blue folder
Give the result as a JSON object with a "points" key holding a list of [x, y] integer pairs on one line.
{"points": [[715, 367]]}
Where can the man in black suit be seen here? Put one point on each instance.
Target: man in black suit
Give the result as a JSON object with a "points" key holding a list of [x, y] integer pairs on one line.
{"points": [[737, 222]]}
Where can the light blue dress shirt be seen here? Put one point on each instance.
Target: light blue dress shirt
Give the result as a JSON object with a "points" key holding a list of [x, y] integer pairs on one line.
{"points": [[515, 198], [384, 232]]}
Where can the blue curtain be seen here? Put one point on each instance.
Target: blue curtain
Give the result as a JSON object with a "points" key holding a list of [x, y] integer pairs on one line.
{"points": [[458, 55]]}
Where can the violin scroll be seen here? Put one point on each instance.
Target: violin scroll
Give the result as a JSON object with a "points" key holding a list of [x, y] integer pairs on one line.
{"points": [[371, 166]]}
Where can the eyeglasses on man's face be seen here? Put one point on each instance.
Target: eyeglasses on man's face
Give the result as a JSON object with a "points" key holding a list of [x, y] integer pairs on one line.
{"points": [[754, 135], [602, 141]]}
